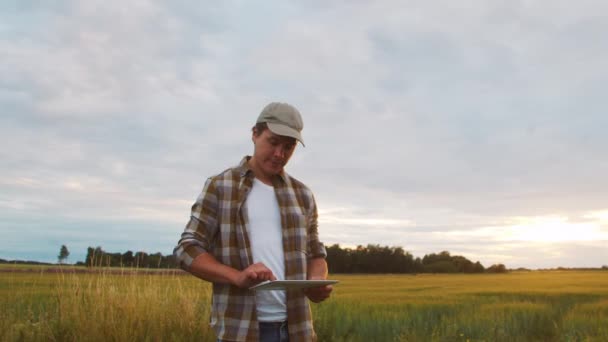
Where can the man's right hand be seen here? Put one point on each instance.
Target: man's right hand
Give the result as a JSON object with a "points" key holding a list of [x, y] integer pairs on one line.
{"points": [[254, 274]]}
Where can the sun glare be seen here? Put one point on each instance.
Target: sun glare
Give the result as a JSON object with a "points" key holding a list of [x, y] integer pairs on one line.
{"points": [[556, 229], [601, 216]]}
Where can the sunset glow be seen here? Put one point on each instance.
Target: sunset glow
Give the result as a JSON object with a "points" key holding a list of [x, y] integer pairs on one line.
{"points": [[556, 229]]}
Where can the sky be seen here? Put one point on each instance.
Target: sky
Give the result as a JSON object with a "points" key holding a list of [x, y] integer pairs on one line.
{"points": [[474, 127]]}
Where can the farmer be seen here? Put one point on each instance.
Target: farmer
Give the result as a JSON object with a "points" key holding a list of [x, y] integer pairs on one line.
{"points": [[253, 223]]}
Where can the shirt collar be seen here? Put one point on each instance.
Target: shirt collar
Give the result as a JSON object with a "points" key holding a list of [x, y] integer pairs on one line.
{"points": [[245, 170]]}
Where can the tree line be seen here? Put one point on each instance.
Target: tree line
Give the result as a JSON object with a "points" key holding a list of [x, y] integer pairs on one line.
{"points": [[97, 257], [362, 259], [383, 259]]}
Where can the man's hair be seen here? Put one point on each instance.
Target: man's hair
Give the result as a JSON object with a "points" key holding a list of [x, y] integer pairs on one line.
{"points": [[259, 128]]}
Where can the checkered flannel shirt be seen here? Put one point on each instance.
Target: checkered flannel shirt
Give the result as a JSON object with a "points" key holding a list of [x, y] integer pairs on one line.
{"points": [[219, 224]]}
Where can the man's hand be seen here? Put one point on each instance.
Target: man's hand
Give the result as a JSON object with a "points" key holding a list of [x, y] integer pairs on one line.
{"points": [[254, 274], [318, 294], [317, 270]]}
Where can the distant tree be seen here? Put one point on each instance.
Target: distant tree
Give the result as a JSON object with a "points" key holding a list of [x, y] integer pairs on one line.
{"points": [[418, 266], [497, 268], [63, 254], [478, 268], [127, 259], [89, 261], [441, 266], [141, 260], [338, 260], [95, 257]]}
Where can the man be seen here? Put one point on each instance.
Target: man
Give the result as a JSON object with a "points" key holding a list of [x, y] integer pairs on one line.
{"points": [[254, 223]]}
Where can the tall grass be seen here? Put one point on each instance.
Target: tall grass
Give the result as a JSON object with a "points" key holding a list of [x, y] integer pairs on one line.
{"points": [[103, 307], [533, 306]]}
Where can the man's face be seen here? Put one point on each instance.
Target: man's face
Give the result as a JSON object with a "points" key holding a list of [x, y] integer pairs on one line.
{"points": [[272, 151]]}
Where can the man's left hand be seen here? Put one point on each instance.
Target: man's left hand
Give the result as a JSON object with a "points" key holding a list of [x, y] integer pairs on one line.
{"points": [[318, 294]]}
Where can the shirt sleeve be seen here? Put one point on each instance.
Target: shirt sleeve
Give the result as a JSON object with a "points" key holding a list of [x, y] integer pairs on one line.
{"points": [[316, 249], [198, 236]]}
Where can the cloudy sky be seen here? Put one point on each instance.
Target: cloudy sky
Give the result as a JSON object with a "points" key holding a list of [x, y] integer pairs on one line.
{"points": [[477, 127]]}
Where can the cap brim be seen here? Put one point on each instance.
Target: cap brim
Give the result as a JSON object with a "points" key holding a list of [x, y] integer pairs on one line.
{"points": [[285, 131]]}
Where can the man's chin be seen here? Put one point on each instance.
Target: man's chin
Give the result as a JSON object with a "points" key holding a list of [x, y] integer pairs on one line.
{"points": [[276, 169], [273, 171]]}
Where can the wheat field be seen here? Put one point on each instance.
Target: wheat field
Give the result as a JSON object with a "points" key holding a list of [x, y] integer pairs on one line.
{"points": [[127, 305]]}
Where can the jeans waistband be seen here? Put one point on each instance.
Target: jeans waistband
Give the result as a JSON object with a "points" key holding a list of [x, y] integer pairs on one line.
{"points": [[273, 324]]}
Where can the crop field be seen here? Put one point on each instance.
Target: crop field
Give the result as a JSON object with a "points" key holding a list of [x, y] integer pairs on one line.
{"points": [[127, 305]]}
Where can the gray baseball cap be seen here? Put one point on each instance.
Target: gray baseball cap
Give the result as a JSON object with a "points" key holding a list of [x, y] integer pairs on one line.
{"points": [[283, 119]]}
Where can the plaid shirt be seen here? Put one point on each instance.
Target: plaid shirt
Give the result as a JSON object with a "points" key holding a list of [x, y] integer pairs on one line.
{"points": [[219, 225]]}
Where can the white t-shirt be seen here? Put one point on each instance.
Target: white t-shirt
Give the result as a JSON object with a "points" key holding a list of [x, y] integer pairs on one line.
{"points": [[267, 247]]}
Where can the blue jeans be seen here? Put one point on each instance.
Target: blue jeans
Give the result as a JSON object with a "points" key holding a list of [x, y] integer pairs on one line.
{"points": [[273, 332]]}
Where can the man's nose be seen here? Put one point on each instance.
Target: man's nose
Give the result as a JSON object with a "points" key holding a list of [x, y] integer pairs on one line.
{"points": [[279, 152]]}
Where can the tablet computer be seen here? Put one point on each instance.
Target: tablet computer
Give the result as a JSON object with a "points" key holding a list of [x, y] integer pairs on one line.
{"points": [[291, 284]]}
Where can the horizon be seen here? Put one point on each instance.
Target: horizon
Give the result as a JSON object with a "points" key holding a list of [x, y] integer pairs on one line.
{"points": [[475, 128], [67, 262]]}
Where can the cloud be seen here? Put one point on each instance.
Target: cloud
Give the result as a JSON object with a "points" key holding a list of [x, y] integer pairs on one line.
{"points": [[431, 125]]}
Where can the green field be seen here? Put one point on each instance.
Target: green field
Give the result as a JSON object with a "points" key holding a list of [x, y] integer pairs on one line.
{"points": [[110, 306]]}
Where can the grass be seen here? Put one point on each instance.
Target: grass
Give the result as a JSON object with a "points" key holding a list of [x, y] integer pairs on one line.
{"points": [[103, 307], [530, 306]]}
